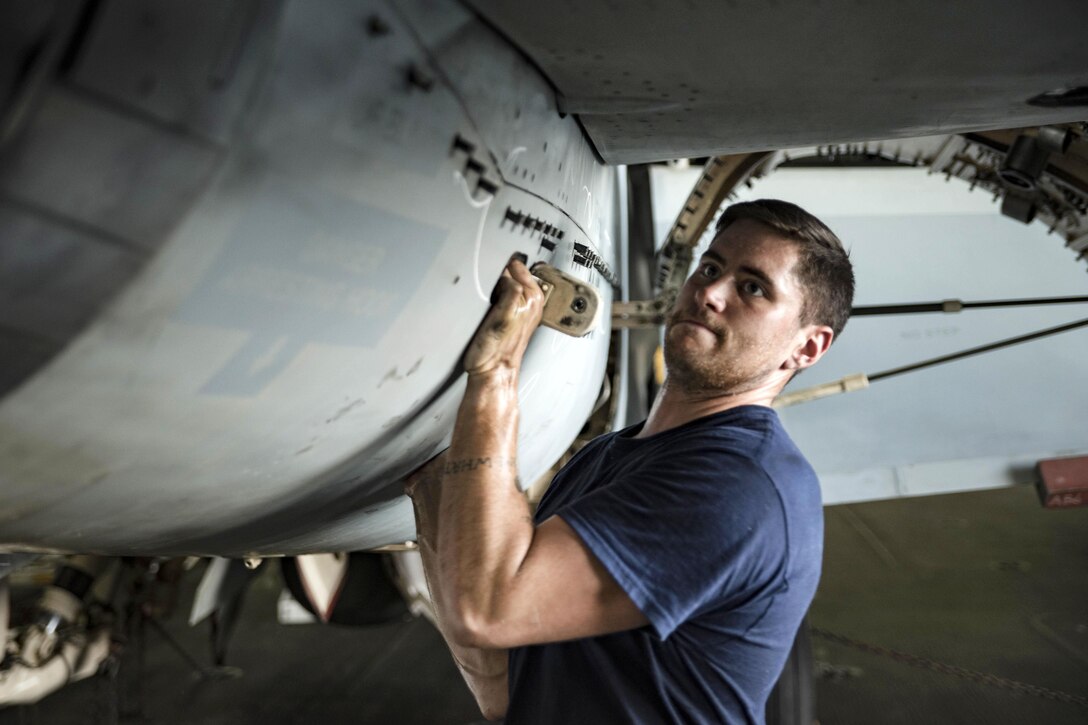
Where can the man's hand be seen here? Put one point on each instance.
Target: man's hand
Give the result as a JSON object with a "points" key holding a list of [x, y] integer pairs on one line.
{"points": [[500, 341]]}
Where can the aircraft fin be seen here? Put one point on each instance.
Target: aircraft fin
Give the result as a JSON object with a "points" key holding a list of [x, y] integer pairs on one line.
{"points": [[322, 578]]}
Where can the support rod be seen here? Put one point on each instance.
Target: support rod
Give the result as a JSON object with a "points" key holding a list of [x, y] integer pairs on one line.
{"points": [[957, 305], [860, 381]]}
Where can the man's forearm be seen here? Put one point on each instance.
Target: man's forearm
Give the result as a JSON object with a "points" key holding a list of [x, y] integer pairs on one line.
{"points": [[486, 528], [484, 670], [486, 524]]}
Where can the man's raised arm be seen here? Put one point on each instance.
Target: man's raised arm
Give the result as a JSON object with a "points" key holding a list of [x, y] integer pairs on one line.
{"points": [[487, 527], [497, 580]]}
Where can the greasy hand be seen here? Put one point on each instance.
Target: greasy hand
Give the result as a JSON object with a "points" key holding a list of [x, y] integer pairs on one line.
{"points": [[501, 339]]}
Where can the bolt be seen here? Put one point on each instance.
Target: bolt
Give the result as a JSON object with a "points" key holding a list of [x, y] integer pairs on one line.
{"points": [[420, 77], [579, 305], [376, 27]]}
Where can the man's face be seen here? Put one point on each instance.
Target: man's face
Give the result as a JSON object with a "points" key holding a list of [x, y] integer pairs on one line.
{"points": [[736, 321]]}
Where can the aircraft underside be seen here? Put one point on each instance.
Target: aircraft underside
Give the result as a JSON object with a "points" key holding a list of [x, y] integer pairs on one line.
{"points": [[278, 261]]}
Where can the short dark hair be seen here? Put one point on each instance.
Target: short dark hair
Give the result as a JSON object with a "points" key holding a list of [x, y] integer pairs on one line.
{"points": [[823, 268]]}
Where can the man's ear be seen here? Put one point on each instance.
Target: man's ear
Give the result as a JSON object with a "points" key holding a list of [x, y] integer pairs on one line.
{"points": [[811, 348]]}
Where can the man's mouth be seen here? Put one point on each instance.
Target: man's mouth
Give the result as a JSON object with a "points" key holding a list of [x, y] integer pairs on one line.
{"points": [[699, 323]]}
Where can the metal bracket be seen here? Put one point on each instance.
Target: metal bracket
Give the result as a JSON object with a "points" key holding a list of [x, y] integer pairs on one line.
{"points": [[640, 314], [570, 305]]}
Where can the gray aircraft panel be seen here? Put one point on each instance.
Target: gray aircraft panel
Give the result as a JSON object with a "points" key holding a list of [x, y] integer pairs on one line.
{"points": [[661, 80], [560, 167], [186, 65], [131, 180], [291, 350], [22, 355], [54, 278]]}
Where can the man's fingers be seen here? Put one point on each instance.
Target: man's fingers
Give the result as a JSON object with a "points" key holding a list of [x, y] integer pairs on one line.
{"points": [[517, 305], [516, 280], [517, 269], [529, 286]]}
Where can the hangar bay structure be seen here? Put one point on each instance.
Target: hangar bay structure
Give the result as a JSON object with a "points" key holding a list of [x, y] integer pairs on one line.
{"points": [[245, 243]]}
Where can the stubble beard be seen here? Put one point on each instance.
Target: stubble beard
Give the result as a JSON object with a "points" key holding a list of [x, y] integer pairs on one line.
{"points": [[716, 371]]}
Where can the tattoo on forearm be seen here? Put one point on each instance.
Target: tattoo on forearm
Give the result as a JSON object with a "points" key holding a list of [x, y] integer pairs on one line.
{"points": [[472, 464]]}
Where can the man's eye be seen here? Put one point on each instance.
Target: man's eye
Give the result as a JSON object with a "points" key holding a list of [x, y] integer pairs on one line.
{"points": [[709, 271], [752, 288]]}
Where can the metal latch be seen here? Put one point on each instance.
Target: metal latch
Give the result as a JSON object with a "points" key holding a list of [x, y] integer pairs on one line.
{"points": [[570, 305]]}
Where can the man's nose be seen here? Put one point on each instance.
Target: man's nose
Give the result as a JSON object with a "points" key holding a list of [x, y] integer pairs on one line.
{"points": [[713, 295]]}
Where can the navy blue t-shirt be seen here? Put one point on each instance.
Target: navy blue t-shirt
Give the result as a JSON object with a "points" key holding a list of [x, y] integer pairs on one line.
{"points": [[715, 531]]}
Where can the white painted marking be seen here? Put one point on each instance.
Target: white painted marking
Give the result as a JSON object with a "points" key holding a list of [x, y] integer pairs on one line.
{"points": [[513, 154]]}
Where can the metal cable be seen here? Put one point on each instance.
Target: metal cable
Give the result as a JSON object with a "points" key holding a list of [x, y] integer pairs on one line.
{"points": [[978, 350], [952, 306]]}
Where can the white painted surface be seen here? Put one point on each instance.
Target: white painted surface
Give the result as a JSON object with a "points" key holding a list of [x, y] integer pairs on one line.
{"points": [[292, 351]]}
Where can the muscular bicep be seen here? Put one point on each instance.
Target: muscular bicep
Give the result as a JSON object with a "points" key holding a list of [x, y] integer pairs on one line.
{"points": [[562, 591]]}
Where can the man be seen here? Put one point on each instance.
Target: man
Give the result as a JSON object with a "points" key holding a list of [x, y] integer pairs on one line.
{"points": [[669, 565]]}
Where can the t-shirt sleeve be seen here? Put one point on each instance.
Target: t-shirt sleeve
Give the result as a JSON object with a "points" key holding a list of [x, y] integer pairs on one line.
{"points": [[699, 526]]}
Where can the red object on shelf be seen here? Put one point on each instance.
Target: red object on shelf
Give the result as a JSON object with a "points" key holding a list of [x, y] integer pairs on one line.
{"points": [[1063, 482]]}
